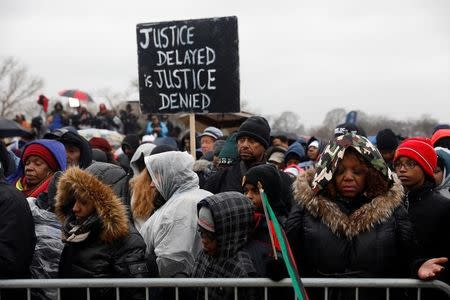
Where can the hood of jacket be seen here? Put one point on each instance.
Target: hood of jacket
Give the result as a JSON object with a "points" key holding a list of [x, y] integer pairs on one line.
{"points": [[297, 149], [233, 220], [361, 220], [141, 152], [172, 173], [334, 153], [309, 189], [78, 183], [55, 147], [66, 135], [444, 153]]}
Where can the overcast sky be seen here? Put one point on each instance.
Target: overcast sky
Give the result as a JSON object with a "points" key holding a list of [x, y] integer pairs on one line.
{"points": [[384, 57]]}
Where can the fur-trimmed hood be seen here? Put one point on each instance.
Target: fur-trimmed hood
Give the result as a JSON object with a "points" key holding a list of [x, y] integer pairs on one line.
{"points": [[110, 209], [361, 220]]}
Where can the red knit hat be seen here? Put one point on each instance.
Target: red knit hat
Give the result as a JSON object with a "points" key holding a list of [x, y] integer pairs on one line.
{"points": [[100, 143], [439, 134], [421, 151], [42, 152]]}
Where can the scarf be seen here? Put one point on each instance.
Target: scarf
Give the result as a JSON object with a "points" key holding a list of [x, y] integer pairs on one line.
{"points": [[21, 185], [72, 232]]}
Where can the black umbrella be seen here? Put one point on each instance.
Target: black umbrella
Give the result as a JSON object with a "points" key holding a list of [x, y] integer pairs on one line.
{"points": [[9, 128]]}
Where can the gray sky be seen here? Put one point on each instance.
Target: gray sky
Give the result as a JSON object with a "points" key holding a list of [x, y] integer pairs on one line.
{"points": [[383, 57]]}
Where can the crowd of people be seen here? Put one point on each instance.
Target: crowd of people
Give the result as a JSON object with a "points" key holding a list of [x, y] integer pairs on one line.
{"points": [[73, 208]]}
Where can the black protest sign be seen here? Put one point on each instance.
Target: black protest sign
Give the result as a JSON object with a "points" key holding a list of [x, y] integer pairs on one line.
{"points": [[189, 66]]}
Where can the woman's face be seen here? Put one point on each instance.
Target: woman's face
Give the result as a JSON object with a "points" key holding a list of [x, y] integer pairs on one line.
{"points": [[350, 176], [73, 154], [36, 170], [83, 209], [312, 153], [252, 193]]}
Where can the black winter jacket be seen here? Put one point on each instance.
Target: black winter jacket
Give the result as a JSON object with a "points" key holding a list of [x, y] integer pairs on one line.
{"points": [[429, 212], [17, 237], [368, 238], [113, 249]]}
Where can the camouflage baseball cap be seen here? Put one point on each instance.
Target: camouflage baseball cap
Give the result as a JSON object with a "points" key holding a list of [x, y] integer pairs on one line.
{"points": [[334, 153]]}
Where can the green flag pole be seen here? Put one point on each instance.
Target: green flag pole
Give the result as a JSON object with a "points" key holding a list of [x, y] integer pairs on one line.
{"points": [[284, 244]]}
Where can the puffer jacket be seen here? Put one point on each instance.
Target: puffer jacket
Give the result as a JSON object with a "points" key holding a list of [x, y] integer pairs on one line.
{"points": [[364, 238], [112, 249], [429, 212]]}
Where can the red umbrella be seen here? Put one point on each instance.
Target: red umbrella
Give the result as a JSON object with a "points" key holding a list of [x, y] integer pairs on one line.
{"points": [[80, 95]]}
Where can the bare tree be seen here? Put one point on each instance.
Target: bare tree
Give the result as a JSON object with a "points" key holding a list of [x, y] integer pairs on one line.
{"points": [[112, 97], [288, 122], [16, 86]]}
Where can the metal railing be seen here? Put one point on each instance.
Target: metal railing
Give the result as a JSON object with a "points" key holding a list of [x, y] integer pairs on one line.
{"points": [[264, 283]]}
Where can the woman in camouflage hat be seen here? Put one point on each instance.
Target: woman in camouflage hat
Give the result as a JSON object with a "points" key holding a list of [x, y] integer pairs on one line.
{"points": [[350, 220]]}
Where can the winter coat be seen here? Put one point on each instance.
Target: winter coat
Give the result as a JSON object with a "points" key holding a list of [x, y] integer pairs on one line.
{"points": [[331, 237], [171, 232], [232, 213], [227, 180], [17, 237], [429, 212], [113, 249], [162, 125], [48, 248]]}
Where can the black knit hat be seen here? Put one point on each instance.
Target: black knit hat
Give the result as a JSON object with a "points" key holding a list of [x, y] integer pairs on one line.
{"points": [[271, 182], [387, 140], [255, 127]]}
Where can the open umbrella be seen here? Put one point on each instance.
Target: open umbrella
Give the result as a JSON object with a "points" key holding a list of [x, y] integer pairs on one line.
{"points": [[9, 128], [113, 137], [80, 95]]}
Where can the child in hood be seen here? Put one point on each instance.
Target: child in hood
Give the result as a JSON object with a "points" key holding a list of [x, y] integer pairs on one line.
{"points": [[224, 223]]}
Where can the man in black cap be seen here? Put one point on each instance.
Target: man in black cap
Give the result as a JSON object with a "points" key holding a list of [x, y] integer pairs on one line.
{"points": [[252, 139], [387, 143]]}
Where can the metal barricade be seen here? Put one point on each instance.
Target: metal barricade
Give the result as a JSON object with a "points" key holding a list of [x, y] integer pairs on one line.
{"points": [[205, 283]]}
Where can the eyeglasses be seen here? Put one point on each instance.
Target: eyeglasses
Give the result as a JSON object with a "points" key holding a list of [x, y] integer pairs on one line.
{"points": [[409, 164]]}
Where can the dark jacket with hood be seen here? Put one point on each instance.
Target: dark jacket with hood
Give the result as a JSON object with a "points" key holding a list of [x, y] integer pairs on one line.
{"points": [[296, 151], [259, 245], [232, 213], [68, 135], [113, 248], [331, 237]]}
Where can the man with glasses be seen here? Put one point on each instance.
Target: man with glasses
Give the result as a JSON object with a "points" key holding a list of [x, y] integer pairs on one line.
{"points": [[414, 162]]}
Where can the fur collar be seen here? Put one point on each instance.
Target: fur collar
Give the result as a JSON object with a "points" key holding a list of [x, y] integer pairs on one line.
{"points": [[361, 220], [110, 209]]}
